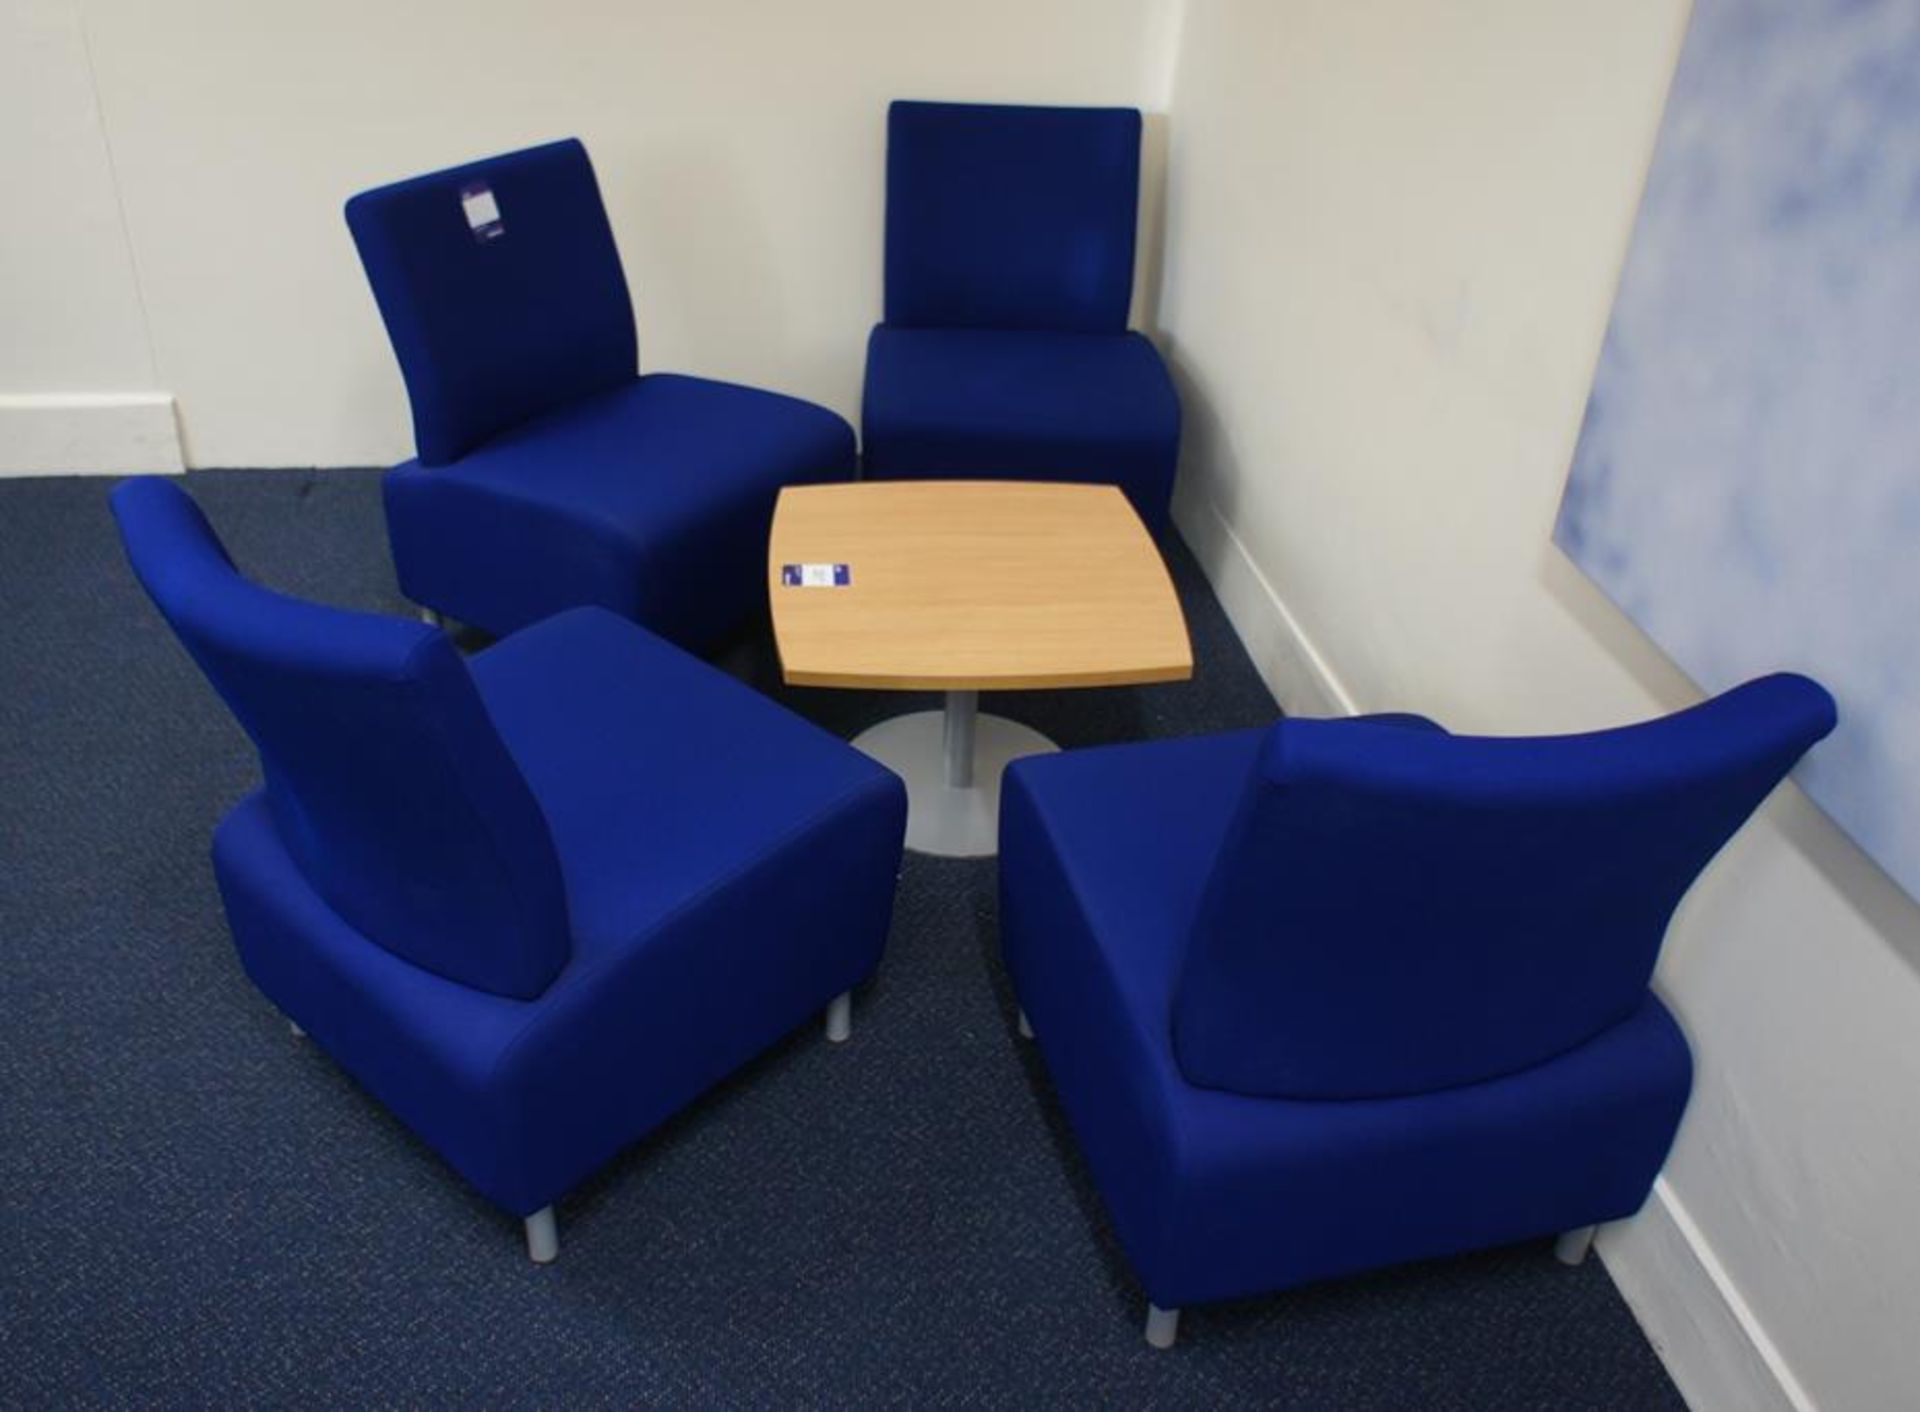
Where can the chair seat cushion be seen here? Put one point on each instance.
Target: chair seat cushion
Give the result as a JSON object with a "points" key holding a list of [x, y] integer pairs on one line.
{"points": [[729, 868], [1023, 405], [1104, 856], [660, 776], [652, 500]]}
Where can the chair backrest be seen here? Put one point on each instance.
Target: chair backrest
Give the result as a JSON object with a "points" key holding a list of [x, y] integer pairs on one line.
{"points": [[501, 289], [386, 779], [1011, 217], [1397, 911]]}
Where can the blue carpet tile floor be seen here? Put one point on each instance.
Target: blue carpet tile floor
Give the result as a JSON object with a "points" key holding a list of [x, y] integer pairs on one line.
{"points": [[200, 1210]]}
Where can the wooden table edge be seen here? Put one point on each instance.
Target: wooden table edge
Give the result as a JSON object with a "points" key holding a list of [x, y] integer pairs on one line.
{"points": [[1024, 681]]}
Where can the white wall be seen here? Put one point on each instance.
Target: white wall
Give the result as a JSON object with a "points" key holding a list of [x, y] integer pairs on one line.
{"points": [[1393, 232], [739, 144], [73, 344]]}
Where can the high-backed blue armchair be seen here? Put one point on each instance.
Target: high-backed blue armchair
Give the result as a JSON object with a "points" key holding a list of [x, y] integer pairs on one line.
{"points": [[1339, 994], [1009, 268], [550, 475], [535, 903]]}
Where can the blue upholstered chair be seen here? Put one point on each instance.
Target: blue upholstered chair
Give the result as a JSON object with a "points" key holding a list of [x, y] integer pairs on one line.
{"points": [[549, 475], [1005, 351], [1340, 994], [537, 902]]}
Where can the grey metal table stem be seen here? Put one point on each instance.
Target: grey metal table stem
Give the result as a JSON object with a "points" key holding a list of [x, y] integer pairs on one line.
{"points": [[951, 760]]}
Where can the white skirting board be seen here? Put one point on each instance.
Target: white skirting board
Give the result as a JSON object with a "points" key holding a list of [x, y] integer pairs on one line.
{"points": [[1294, 670], [1713, 1347], [88, 433], [1705, 1333]]}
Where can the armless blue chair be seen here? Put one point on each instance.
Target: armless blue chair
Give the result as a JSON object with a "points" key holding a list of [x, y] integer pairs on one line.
{"points": [[1009, 268], [550, 475], [538, 903], [1341, 994]]}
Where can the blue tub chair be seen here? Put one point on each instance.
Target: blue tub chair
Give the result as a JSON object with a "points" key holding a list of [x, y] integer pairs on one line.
{"points": [[536, 902], [1009, 268], [1336, 995], [550, 475]]}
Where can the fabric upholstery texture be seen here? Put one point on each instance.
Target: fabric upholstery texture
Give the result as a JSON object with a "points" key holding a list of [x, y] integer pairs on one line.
{"points": [[1009, 271], [1026, 406], [652, 501], [1516, 891], [1003, 216], [1138, 881], [718, 868], [386, 779], [550, 475], [493, 331]]}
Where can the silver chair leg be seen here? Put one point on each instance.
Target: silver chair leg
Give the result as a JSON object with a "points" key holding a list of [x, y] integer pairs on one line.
{"points": [[1163, 1326], [840, 1018], [543, 1236], [1572, 1247], [1026, 1026]]}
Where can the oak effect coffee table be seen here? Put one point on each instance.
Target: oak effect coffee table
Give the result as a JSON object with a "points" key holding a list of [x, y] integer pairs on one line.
{"points": [[964, 587]]}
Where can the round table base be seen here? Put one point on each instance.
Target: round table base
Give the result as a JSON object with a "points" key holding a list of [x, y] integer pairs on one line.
{"points": [[942, 820]]}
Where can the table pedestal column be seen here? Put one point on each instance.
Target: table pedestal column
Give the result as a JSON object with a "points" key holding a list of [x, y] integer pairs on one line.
{"points": [[951, 761]]}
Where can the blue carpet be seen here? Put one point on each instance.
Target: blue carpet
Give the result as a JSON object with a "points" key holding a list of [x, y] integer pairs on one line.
{"points": [[200, 1210]]}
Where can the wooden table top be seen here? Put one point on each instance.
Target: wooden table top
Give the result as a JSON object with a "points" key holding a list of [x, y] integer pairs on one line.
{"points": [[970, 585]]}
